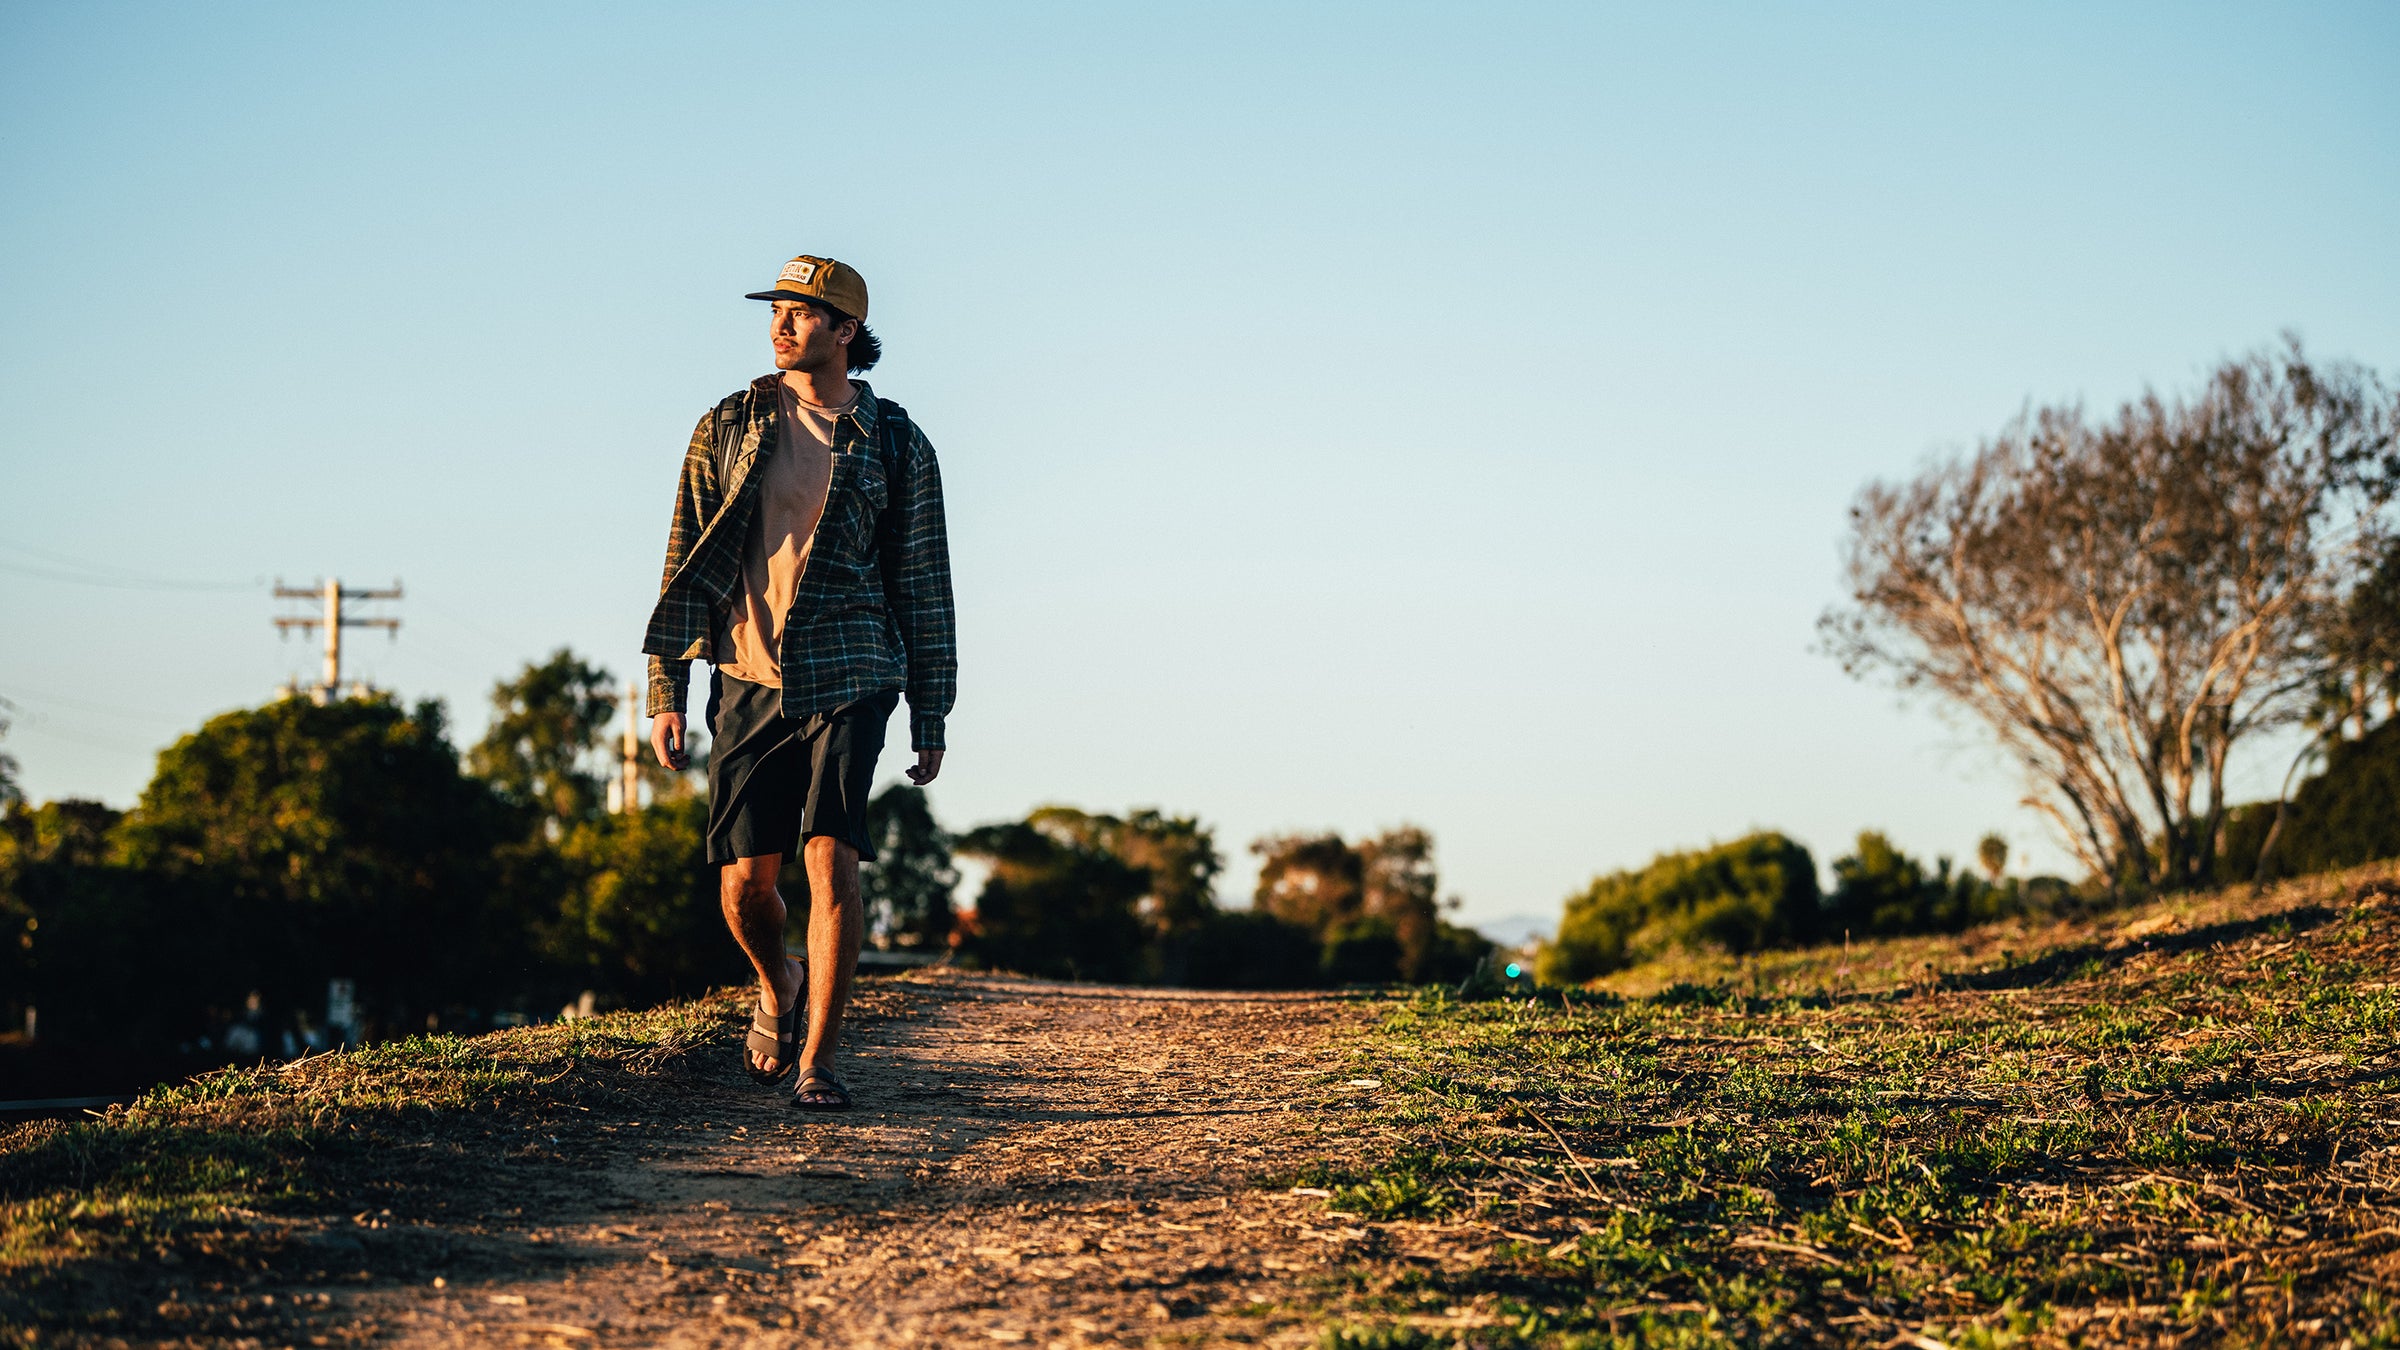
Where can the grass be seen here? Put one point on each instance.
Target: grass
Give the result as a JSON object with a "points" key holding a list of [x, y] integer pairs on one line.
{"points": [[2175, 1123], [244, 1170]]}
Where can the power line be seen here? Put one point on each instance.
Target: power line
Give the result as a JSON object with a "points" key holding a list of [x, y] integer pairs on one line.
{"points": [[44, 724], [108, 710], [129, 583], [109, 575]]}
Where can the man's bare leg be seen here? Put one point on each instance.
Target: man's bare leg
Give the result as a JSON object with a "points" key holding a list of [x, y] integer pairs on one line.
{"points": [[836, 930], [754, 910]]}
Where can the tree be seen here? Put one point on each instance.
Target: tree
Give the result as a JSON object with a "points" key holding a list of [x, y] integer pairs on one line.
{"points": [[1757, 891], [1313, 881], [1177, 854], [10, 793], [351, 845], [638, 920], [1991, 854], [908, 887], [1880, 891], [2120, 604], [2344, 816], [1371, 905], [1054, 905], [2362, 652], [547, 728]]}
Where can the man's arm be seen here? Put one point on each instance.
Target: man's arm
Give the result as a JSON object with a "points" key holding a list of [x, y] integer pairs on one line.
{"points": [[669, 643], [916, 583]]}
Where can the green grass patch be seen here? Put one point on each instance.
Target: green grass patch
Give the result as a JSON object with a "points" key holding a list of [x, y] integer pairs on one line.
{"points": [[234, 1169], [2131, 1127]]}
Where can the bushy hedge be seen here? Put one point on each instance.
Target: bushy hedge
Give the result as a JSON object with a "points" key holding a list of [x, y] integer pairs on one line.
{"points": [[1757, 891], [1878, 891], [1760, 891]]}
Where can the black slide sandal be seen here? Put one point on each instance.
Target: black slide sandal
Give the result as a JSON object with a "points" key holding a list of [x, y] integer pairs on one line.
{"points": [[777, 1036], [823, 1084]]}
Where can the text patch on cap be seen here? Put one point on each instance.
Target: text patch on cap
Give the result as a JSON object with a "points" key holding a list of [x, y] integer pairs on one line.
{"points": [[799, 271]]}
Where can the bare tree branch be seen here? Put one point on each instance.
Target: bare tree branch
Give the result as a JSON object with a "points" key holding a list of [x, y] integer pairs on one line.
{"points": [[2119, 603]]}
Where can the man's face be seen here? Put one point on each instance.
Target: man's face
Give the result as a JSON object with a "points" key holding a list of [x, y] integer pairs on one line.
{"points": [[808, 338]]}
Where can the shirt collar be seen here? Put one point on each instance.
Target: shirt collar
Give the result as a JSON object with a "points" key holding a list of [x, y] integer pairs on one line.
{"points": [[864, 412]]}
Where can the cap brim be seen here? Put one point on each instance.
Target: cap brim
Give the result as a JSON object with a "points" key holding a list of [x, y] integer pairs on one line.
{"points": [[782, 295]]}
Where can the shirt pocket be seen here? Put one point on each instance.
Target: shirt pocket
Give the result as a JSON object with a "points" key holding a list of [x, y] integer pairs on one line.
{"points": [[853, 503]]}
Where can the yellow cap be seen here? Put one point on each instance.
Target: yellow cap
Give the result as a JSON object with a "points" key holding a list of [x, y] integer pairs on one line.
{"points": [[834, 284]]}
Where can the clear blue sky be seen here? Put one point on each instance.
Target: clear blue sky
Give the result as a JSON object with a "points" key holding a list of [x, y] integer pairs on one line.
{"points": [[1351, 414]]}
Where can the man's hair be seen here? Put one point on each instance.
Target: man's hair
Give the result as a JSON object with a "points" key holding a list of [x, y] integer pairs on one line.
{"points": [[865, 349]]}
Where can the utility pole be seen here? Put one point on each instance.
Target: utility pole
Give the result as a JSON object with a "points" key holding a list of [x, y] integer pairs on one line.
{"points": [[629, 775], [333, 593]]}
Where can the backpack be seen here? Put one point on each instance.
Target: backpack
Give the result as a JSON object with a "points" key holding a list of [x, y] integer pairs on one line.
{"points": [[891, 420]]}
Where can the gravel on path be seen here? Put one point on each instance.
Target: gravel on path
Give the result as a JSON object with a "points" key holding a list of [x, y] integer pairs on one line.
{"points": [[1029, 1163]]}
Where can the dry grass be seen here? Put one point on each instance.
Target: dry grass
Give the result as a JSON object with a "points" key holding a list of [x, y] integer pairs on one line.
{"points": [[2173, 1124], [228, 1171]]}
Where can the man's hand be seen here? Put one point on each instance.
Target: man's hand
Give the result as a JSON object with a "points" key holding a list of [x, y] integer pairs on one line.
{"points": [[666, 738], [929, 763]]}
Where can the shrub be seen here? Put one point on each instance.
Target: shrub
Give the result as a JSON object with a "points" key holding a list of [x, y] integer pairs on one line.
{"points": [[1242, 949], [1757, 891], [1880, 891], [1362, 951]]}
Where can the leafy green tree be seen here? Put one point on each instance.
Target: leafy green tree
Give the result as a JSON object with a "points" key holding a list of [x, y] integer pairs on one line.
{"points": [[1177, 853], [2360, 643], [1245, 949], [126, 964], [1369, 904], [1879, 889], [1757, 891], [1056, 906], [72, 831], [1991, 854], [908, 888], [639, 920], [541, 751], [1372, 905], [352, 846], [1316, 882]]}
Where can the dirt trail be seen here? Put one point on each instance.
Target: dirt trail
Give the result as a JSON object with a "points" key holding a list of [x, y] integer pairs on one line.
{"points": [[1029, 1163]]}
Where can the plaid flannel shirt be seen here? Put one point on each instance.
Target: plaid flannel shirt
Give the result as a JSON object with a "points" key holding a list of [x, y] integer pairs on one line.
{"points": [[872, 611]]}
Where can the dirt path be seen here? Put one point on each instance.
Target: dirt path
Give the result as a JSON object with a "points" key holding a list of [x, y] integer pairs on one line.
{"points": [[1029, 1163]]}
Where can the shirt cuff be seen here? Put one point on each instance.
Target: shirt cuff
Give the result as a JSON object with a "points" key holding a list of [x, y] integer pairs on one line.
{"points": [[924, 730], [668, 680]]}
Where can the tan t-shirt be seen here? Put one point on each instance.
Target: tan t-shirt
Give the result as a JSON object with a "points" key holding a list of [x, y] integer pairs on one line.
{"points": [[791, 500]]}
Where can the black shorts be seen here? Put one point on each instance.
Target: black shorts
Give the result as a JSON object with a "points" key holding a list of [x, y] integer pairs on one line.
{"points": [[774, 782]]}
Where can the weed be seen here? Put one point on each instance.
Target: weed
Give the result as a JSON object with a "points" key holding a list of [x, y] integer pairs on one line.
{"points": [[2061, 1130]]}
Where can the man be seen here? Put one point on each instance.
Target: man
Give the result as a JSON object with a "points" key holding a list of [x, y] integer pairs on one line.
{"points": [[808, 565]]}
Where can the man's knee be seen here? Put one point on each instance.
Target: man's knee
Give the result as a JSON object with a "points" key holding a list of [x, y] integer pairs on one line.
{"points": [[824, 850], [747, 880], [832, 870]]}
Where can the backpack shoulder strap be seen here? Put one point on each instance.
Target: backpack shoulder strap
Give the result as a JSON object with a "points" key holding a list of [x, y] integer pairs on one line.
{"points": [[891, 427], [731, 413]]}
